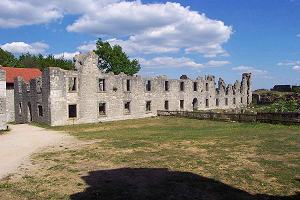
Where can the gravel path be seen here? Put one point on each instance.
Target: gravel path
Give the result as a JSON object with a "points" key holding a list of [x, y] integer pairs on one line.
{"points": [[17, 145]]}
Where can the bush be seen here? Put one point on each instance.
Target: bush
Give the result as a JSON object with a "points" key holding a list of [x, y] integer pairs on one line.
{"points": [[284, 106]]}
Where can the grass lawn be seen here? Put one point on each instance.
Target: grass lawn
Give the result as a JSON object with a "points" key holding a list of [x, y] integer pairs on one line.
{"points": [[185, 158]]}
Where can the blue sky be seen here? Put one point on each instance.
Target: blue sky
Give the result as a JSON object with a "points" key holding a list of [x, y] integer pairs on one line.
{"points": [[193, 37]]}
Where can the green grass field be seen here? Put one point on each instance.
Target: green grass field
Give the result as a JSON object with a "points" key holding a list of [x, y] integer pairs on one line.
{"points": [[255, 158]]}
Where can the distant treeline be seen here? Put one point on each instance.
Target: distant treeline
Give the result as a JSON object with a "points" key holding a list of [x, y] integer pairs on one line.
{"points": [[33, 61]]}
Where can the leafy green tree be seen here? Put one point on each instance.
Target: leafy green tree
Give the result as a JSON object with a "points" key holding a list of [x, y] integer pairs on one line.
{"points": [[7, 58], [34, 61], [113, 59], [28, 61], [51, 61]]}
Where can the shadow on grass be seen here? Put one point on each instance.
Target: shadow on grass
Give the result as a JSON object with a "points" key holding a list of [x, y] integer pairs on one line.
{"points": [[155, 184]]}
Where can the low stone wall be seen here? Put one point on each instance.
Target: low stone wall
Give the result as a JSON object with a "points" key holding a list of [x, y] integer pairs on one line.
{"points": [[290, 118]]}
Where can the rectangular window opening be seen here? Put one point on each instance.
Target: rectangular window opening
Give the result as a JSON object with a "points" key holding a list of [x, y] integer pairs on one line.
{"points": [[206, 103], [102, 85], [102, 108], [148, 86], [40, 110], [127, 107], [72, 111], [226, 101], [181, 104], [72, 84], [166, 105], [20, 108], [148, 106], [128, 85], [206, 87], [181, 86], [167, 86], [195, 86], [217, 102], [233, 101]]}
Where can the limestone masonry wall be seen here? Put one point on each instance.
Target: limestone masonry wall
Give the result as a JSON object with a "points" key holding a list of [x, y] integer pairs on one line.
{"points": [[3, 117], [88, 95]]}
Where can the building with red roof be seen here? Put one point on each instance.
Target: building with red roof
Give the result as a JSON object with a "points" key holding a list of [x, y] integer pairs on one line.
{"points": [[26, 73], [11, 73]]}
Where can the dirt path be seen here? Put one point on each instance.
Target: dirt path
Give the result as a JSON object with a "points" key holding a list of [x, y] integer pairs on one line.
{"points": [[23, 140]]}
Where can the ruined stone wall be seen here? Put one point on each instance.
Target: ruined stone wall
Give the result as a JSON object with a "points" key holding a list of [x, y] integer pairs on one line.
{"points": [[31, 100], [10, 106], [58, 96], [3, 117]]}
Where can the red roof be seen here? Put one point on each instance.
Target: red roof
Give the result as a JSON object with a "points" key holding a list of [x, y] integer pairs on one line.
{"points": [[26, 73]]}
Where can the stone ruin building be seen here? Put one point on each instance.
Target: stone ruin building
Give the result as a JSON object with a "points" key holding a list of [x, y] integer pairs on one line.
{"points": [[3, 117], [88, 95], [11, 73]]}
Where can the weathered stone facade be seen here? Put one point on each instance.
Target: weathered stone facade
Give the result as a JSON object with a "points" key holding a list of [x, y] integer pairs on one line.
{"points": [[3, 117], [88, 95], [10, 105]]}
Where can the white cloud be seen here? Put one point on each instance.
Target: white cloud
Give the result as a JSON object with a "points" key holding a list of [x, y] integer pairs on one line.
{"points": [[295, 65], [170, 28], [217, 63], [147, 28], [248, 69], [289, 63], [298, 35], [22, 47], [87, 47], [16, 13], [183, 62], [169, 62], [66, 55]]}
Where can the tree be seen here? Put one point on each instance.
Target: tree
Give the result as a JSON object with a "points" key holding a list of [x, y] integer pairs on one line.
{"points": [[7, 58], [51, 61], [28, 60], [113, 59]]}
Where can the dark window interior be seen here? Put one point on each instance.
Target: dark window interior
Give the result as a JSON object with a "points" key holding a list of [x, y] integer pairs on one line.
{"points": [[167, 86], [148, 85], [73, 111], [181, 104], [166, 105], [148, 106], [195, 86], [217, 102], [181, 86], [128, 85], [40, 110], [102, 109], [206, 103], [127, 107]]}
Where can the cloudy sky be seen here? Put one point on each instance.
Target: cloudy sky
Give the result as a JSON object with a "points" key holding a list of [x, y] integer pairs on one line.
{"points": [[193, 37]]}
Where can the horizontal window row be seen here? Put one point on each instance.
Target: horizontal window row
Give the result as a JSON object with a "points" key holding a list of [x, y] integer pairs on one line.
{"points": [[148, 106], [226, 102], [72, 85], [72, 109]]}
